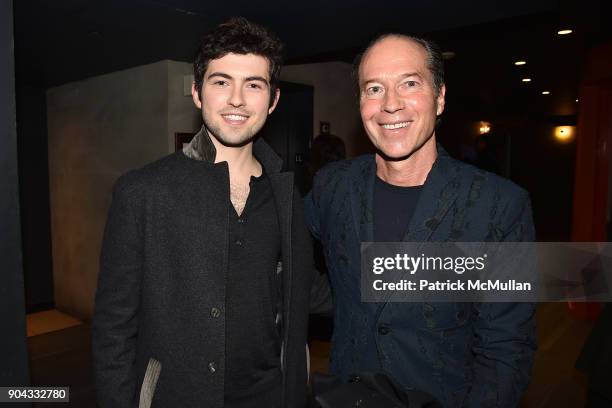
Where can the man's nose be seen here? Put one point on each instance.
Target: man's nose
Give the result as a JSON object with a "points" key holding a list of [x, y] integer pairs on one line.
{"points": [[392, 103], [236, 98]]}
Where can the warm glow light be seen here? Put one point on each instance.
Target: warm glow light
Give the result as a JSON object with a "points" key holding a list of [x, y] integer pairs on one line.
{"points": [[545, 92], [564, 32], [520, 62], [576, 100], [564, 134], [484, 128], [526, 79]]}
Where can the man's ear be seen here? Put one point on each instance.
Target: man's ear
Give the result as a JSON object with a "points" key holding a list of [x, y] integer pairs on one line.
{"points": [[440, 100], [196, 96], [275, 101]]}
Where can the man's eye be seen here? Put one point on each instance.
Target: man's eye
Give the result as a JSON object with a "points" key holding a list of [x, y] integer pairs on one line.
{"points": [[254, 86], [220, 82], [374, 90], [411, 84]]}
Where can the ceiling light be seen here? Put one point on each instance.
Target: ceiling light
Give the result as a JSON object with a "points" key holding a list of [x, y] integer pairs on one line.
{"points": [[484, 127], [576, 100], [526, 79], [520, 62], [545, 92], [564, 32], [564, 134]]}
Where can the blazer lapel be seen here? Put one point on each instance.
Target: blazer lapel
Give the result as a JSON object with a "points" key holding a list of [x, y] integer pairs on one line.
{"points": [[363, 174], [439, 193]]}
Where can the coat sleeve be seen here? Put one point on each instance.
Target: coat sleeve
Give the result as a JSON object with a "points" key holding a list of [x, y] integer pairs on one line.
{"points": [[505, 333], [115, 323], [320, 293]]}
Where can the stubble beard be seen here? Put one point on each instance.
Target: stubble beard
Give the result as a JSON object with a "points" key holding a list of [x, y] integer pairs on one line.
{"points": [[240, 139]]}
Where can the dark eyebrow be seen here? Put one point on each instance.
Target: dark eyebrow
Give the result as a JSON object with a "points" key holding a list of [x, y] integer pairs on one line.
{"points": [[219, 74], [247, 79], [257, 78]]}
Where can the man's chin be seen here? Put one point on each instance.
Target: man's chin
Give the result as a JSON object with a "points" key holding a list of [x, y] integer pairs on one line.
{"points": [[236, 142], [391, 155], [229, 140]]}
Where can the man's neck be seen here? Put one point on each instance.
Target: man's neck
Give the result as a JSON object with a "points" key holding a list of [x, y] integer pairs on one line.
{"points": [[240, 160], [412, 171]]}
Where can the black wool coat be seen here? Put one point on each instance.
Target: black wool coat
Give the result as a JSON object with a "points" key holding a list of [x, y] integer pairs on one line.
{"points": [[160, 301]]}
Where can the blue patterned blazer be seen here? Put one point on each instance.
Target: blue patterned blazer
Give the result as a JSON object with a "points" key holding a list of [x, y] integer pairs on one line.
{"points": [[464, 354]]}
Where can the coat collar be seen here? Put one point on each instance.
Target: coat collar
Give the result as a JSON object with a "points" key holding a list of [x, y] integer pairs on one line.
{"points": [[202, 148], [439, 192]]}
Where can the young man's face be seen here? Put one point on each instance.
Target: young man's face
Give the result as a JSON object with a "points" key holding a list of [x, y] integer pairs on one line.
{"points": [[235, 98], [398, 102]]}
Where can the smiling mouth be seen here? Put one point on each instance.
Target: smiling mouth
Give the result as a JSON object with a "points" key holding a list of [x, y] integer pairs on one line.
{"points": [[235, 118], [398, 125]]}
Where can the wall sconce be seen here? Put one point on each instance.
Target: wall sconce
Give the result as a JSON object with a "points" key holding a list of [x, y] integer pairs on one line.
{"points": [[564, 134], [484, 128]]}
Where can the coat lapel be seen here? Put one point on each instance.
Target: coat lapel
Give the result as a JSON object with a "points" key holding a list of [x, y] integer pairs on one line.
{"points": [[363, 175], [439, 193]]}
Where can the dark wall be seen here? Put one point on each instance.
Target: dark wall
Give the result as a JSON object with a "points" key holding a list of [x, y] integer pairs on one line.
{"points": [[13, 353]]}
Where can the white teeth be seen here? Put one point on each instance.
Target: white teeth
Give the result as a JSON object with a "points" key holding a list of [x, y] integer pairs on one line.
{"points": [[396, 125], [235, 117]]}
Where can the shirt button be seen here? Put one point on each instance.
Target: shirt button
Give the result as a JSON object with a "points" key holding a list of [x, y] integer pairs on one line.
{"points": [[238, 242], [384, 330], [215, 312], [212, 367], [240, 220]]}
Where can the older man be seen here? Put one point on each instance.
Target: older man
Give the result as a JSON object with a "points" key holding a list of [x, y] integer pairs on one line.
{"points": [[464, 354]]}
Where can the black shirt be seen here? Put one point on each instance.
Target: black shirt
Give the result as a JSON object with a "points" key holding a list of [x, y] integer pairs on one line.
{"points": [[252, 355], [393, 209]]}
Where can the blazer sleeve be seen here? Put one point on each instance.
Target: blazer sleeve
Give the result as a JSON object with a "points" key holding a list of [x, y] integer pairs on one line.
{"points": [[311, 214], [505, 333], [115, 322]]}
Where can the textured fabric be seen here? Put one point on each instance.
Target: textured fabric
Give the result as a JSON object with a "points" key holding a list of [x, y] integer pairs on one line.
{"points": [[253, 361], [464, 354], [162, 280]]}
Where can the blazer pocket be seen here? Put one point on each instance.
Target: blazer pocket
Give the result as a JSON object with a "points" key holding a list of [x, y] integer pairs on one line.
{"points": [[149, 383]]}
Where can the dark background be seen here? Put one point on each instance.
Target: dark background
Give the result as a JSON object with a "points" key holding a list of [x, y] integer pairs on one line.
{"points": [[66, 40], [61, 41], [13, 355]]}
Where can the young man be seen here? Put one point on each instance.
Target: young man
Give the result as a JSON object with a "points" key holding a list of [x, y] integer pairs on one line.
{"points": [[464, 354], [203, 289]]}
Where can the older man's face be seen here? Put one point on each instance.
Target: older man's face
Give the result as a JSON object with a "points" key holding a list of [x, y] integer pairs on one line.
{"points": [[398, 101]]}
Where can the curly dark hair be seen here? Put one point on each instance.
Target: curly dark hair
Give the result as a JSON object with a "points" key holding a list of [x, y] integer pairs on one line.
{"points": [[239, 36]]}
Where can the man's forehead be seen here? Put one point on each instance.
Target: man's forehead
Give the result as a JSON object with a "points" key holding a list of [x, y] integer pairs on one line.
{"points": [[393, 57], [240, 65]]}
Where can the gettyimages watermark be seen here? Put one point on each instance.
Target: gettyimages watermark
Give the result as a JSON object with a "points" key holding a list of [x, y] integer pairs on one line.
{"points": [[486, 271]]}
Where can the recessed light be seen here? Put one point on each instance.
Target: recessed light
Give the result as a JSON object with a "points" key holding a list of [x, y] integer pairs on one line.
{"points": [[526, 79], [545, 92], [576, 100], [564, 32], [520, 62], [564, 134]]}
